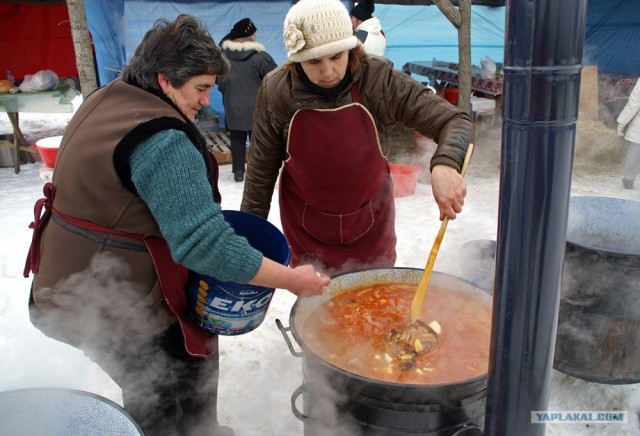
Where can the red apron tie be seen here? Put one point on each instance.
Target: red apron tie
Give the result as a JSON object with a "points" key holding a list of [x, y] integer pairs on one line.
{"points": [[171, 275], [40, 220]]}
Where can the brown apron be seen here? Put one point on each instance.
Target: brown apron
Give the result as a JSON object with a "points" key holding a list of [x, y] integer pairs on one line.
{"points": [[336, 193], [172, 276]]}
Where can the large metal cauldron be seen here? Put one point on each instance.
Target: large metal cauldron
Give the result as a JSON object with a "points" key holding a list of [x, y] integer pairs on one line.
{"points": [[61, 411], [339, 403], [598, 335]]}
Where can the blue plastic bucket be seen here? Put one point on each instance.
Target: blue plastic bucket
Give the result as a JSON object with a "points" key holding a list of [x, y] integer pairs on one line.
{"points": [[229, 308]]}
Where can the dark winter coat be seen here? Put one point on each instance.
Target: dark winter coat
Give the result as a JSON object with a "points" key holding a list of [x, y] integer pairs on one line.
{"points": [[391, 97], [249, 64]]}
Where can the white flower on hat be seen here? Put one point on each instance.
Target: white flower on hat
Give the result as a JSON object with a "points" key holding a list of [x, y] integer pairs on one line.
{"points": [[293, 39], [316, 28]]}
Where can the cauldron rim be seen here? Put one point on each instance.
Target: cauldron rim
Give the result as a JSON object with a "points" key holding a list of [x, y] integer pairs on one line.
{"points": [[382, 383], [601, 251], [580, 203]]}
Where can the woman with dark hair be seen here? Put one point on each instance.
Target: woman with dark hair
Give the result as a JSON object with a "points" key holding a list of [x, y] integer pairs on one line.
{"points": [[325, 114], [133, 206], [249, 64]]}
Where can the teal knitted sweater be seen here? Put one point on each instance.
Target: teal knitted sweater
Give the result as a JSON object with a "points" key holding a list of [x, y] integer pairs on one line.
{"points": [[170, 176]]}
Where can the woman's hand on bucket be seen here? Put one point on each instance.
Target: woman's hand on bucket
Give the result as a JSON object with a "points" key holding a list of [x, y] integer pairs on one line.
{"points": [[303, 280]]}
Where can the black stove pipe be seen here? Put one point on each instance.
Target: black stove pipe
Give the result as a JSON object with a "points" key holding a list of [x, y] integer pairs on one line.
{"points": [[542, 64]]}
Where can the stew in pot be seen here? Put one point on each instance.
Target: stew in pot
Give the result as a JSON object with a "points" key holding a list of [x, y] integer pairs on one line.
{"points": [[351, 331]]}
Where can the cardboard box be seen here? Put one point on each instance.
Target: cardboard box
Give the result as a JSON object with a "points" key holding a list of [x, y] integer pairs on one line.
{"points": [[588, 104], [482, 104]]}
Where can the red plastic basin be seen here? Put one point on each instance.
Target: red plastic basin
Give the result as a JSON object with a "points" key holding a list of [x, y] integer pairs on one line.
{"points": [[48, 149], [405, 178]]}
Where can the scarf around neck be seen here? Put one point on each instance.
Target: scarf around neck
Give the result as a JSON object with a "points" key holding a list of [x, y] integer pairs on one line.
{"points": [[327, 93]]}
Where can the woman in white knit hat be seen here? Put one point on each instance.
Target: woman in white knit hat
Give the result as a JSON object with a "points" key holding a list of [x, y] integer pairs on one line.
{"points": [[326, 114]]}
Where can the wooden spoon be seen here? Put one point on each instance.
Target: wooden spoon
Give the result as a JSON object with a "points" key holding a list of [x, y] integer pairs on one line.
{"points": [[421, 291]]}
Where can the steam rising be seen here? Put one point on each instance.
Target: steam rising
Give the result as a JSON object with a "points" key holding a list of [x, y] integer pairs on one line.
{"points": [[104, 313], [259, 373]]}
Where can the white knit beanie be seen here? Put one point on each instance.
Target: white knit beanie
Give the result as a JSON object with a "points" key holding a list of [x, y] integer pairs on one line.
{"points": [[317, 28]]}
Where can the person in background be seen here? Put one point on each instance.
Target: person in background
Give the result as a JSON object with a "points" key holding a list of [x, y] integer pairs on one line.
{"points": [[368, 28], [133, 206], [326, 114], [249, 64], [629, 119]]}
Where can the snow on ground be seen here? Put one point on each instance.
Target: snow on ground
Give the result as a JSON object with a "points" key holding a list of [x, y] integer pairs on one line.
{"points": [[258, 373]]}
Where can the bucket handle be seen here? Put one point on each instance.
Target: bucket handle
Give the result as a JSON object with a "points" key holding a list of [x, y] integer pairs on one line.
{"points": [[298, 414], [285, 330]]}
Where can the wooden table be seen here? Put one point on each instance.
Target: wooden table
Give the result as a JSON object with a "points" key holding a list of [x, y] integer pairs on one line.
{"points": [[31, 102], [448, 72], [613, 86]]}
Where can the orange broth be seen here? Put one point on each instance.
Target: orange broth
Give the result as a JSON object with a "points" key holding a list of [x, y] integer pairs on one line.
{"points": [[344, 329]]}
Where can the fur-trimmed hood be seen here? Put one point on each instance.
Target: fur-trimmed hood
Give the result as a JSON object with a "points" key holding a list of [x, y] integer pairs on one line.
{"points": [[241, 50]]}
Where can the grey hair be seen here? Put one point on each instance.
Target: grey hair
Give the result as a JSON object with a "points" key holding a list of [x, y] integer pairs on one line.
{"points": [[179, 49]]}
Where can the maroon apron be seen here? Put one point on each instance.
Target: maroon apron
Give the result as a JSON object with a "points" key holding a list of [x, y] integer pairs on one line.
{"points": [[172, 277], [336, 193]]}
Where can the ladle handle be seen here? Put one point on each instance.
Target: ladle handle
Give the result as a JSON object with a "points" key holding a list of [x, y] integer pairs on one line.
{"points": [[421, 290]]}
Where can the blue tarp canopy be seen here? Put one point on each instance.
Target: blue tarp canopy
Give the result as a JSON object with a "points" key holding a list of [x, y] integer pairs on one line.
{"points": [[413, 32], [118, 26], [612, 37]]}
